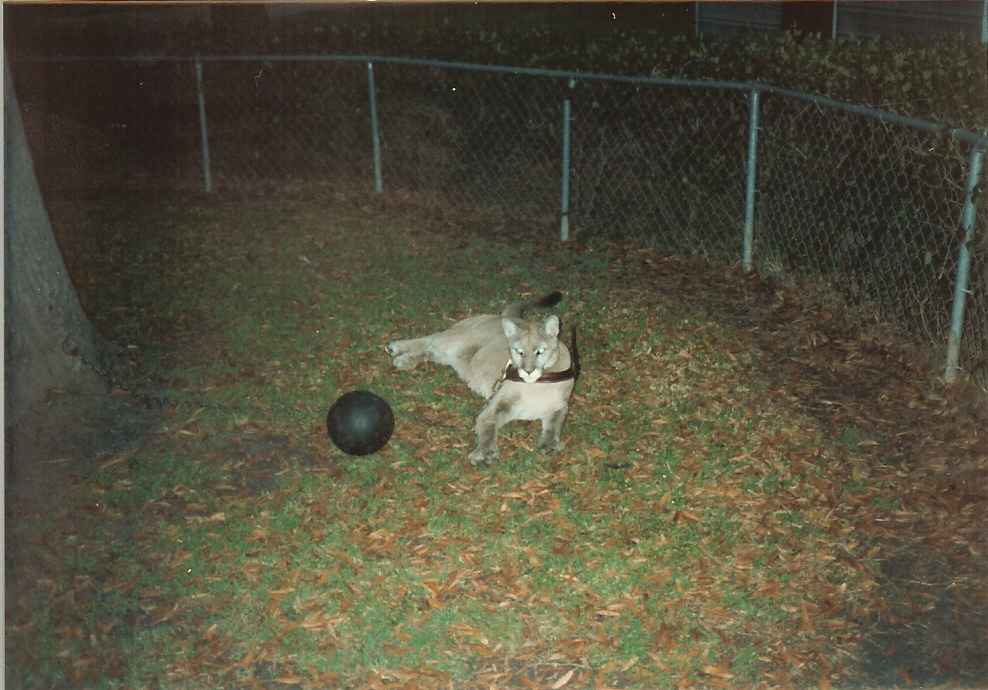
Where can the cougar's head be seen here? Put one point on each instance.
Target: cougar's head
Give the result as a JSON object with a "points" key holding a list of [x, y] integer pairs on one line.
{"points": [[534, 347]]}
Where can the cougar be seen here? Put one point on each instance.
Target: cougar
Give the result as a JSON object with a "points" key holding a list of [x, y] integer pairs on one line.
{"points": [[520, 367]]}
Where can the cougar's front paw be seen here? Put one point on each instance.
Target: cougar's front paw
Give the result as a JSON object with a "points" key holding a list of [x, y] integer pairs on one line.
{"points": [[483, 456], [405, 362], [550, 445]]}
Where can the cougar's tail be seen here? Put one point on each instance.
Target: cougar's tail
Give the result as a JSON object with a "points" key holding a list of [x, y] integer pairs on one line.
{"points": [[516, 310]]}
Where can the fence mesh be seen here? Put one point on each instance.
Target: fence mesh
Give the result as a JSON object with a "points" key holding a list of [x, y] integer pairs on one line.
{"points": [[661, 165], [276, 123], [477, 140], [870, 208]]}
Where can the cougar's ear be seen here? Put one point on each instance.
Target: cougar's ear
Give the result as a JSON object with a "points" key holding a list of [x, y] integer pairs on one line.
{"points": [[551, 326], [509, 327]]}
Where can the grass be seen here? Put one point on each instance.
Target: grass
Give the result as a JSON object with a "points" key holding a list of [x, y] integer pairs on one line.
{"points": [[686, 535]]}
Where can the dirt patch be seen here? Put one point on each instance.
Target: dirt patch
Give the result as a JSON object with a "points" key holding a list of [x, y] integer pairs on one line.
{"points": [[53, 454], [259, 461]]}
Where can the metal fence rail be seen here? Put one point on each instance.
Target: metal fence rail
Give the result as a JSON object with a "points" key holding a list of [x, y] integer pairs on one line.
{"points": [[883, 208]]}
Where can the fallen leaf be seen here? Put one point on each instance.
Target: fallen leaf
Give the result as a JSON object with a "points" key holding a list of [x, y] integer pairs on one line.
{"points": [[289, 680], [681, 515], [806, 622], [563, 679], [717, 672], [165, 616]]}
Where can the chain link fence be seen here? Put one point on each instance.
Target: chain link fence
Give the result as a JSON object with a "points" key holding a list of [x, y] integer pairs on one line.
{"points": [[665, 165], [875, 206], [874, 209]]}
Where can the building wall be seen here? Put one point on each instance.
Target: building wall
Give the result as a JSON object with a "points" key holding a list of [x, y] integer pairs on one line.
{"points": [[854, 17], [579, 19], [914, 18], [719, 18]]}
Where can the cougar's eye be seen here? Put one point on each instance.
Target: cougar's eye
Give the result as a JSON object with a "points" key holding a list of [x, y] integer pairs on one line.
{"points": [[540, 351], [519, 351]]}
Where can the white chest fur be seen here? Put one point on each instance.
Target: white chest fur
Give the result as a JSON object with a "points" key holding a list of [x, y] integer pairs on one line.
{"points": [[528, 401]]}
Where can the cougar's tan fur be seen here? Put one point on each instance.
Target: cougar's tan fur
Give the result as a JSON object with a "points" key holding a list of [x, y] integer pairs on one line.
{"points": [[479, 347]]}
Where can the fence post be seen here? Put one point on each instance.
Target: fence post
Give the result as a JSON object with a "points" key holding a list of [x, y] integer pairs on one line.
{"points": [[375, 132], [207, 175], [963, 264], [564, 193], [751, 177]]}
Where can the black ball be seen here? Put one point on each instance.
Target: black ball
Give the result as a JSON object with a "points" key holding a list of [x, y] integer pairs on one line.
{"points": [[360, 423]]}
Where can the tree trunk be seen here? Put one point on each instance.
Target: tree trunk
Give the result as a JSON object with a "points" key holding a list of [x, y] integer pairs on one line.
{"points": [[49, 341]]}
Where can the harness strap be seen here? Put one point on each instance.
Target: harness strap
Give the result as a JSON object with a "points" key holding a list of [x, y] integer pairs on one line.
{"points": [[510, 372]]}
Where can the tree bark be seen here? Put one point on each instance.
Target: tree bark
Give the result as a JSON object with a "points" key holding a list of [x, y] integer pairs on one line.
{"points": [[49, 341]]}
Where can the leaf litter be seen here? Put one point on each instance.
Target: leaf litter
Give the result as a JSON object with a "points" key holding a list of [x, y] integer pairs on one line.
{"points": [[757, 490]]}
